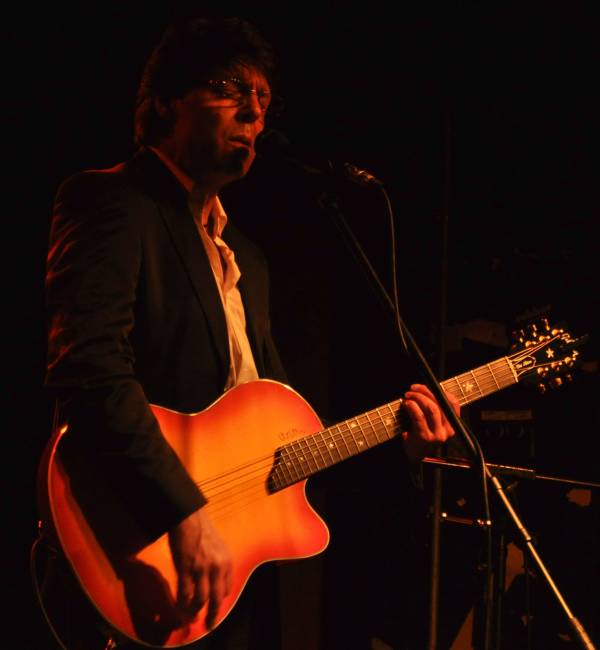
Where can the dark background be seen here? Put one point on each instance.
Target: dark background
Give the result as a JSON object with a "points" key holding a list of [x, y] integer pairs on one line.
{"points": [[480, 119]]}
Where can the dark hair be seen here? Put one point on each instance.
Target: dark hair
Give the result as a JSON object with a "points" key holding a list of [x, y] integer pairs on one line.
{"points": [[191, 51]]}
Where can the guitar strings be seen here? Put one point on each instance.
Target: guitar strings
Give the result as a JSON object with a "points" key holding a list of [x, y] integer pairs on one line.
{"points": [[252, 488], [339, 431], [485, 386], [247, 482]]}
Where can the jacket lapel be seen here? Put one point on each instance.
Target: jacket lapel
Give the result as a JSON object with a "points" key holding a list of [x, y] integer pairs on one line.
{"points": [[193, 256], [172, 201]]}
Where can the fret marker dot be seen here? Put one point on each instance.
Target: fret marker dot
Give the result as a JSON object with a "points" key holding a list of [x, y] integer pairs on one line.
{"points": [[331, 445], [353, 425], [360, 443]]}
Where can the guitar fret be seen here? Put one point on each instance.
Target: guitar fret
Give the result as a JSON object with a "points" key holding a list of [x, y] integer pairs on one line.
{"points": [[489, 367], [319, 445], [307, 457], [352, 425], [476, 383], [315, 454], [374, 425], [394, 423], [494, 385], [303, 459], [377, 427], [372, 429], [363, 440], [292, 462], [340, 438], [332, 446], [293, 459], [358, 436], [369, 430], [384, 423], [512, 369], [502, 372], [466, 386], [460, 390], [326, 447], [487, 382], [285, 466]]}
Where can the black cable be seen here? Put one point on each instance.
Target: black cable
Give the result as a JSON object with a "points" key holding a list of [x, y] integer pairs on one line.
{"points": [[33, 555]]}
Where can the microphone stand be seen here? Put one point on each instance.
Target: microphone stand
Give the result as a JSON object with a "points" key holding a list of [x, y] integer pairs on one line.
{"points": [[327, 200], [436, 506], [514, 474]]}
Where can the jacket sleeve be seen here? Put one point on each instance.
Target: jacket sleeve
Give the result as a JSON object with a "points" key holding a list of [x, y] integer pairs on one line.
{"points": [[93, 268]]}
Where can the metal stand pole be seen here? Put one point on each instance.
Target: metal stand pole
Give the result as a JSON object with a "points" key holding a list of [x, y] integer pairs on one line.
{"points": [[436, 515], [436, 509]]}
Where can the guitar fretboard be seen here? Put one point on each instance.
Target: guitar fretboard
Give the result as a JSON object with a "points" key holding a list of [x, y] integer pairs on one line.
{"points": [[308, 455]]}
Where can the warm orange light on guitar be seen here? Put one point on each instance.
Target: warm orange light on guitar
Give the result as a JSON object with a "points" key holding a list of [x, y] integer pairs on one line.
{"points": [[250, 452]]}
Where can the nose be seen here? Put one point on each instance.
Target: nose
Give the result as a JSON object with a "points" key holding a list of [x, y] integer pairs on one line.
{"points": [[250, 109]]}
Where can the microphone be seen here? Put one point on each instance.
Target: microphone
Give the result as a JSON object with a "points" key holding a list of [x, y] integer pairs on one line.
{"points": [[272, 145]]}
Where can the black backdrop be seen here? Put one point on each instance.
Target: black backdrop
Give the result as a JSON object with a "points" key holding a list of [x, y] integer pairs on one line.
{"points": [[479, 119]]}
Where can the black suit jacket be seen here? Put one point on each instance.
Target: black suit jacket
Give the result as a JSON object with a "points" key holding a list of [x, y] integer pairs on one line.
{"points": [[135, 318]]}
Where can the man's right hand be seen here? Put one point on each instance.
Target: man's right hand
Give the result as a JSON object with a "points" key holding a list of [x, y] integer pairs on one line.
{"points": [[203, 565]]}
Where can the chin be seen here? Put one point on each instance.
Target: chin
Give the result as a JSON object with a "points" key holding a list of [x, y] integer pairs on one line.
{"points": [[239, 162]]}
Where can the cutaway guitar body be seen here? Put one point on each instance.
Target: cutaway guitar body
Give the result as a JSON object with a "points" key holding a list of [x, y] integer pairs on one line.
{"points": [[229, 449], [250, 452]]}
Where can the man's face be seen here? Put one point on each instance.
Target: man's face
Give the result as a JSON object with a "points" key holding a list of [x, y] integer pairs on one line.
{"points": [[215, 127]]}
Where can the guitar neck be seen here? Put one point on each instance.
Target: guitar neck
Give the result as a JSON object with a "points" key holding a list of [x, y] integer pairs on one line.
{"points": [[311, 454]]}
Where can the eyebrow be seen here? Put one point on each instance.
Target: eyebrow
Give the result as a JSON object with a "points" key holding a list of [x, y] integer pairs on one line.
{"points": [[243, 73]]}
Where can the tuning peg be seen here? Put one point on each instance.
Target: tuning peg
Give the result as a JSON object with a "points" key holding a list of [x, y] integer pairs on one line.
{"points": [[518, 335]]}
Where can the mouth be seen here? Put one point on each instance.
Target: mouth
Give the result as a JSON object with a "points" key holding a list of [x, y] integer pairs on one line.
{"points": [[242, 141]]}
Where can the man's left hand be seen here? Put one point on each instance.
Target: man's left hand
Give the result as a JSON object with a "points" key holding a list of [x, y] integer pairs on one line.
{"points": [[429, 426]]}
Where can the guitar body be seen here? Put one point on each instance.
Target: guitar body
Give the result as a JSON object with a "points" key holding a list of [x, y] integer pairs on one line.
{"points": [[229, 450]]}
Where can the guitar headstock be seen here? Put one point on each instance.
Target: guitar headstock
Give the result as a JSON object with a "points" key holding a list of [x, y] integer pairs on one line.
{"points": [[545, 355]]}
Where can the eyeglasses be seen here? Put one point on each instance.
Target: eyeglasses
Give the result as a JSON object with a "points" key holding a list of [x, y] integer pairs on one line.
{"points": [[235, 90]]}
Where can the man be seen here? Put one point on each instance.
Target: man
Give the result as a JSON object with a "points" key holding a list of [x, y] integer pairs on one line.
{"points": [[155, 298]]}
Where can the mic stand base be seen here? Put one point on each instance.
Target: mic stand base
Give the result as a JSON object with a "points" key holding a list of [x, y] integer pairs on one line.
{"points": [[499, 571]]}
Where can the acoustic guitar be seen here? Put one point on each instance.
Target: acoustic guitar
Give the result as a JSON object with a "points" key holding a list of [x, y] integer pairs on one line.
{"points": [[251, 452]]}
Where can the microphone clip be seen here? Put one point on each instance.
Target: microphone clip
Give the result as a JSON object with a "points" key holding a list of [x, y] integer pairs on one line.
{"points": [[360, 175]]}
